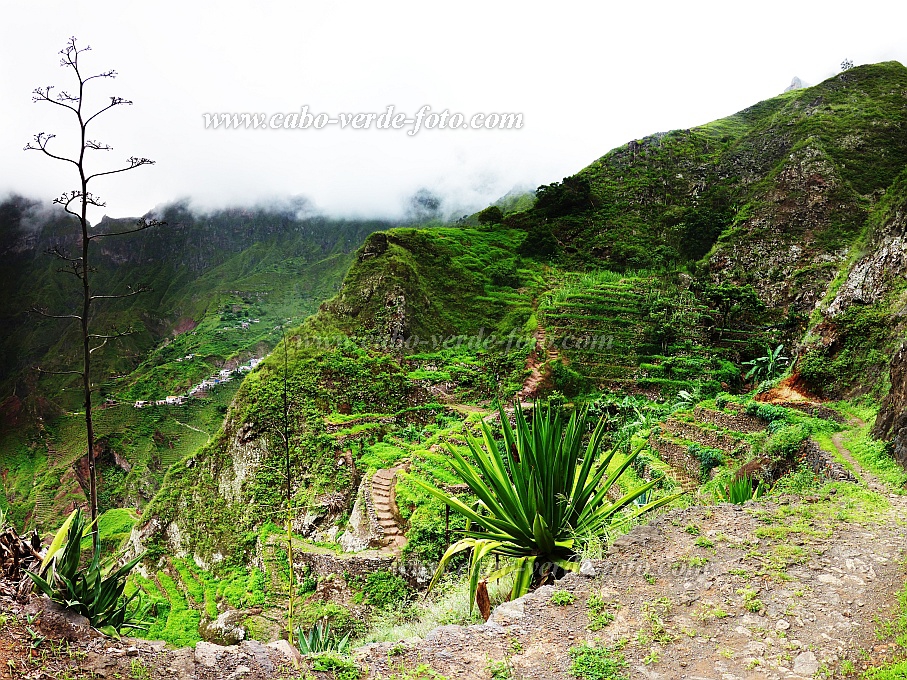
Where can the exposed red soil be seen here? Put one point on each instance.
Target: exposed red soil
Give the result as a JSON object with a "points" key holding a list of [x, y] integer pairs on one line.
{"points": [[790, 390]]}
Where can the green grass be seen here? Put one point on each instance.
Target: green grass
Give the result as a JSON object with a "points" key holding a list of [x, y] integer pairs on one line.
{"points": [[180, 627], [874, 456], [589, 662], [114, 529], [562, 598], [893, 631], [182, 598], [892, 671]]}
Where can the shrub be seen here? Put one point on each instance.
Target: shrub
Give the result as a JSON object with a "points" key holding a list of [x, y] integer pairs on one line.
{"points": [[799, 481], [708, 458], [767, 412], [340, 618], [567, 381], [342, 668], [786, 442], [504, 273], [539, 243], [383, 589]]}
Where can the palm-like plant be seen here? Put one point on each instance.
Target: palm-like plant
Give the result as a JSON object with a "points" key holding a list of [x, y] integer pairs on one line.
{"points": [[536, 492], [769, 366], [88, 591]]}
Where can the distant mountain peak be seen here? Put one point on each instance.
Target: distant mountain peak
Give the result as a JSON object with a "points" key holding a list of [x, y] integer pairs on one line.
{"points": [[795, 84]]}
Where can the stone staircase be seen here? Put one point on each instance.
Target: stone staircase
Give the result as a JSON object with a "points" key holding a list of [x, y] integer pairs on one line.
{"points": [[384, 507]]}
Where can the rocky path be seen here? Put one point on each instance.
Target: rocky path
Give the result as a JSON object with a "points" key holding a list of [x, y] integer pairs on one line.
{"points": [[782, 589], [192, 427], [385, 507]]}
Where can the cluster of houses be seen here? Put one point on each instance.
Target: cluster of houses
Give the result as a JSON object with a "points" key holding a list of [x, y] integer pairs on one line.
{"points": [[242, 324], [166, 401], [224, 376]]}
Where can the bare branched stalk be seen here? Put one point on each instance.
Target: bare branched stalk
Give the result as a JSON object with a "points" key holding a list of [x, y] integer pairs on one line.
{"points": [[76, 202], [289, 488]]}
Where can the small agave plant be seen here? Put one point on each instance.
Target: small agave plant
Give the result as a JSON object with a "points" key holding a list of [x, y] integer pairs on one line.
{"points": [[321, 639], [739, 491]]}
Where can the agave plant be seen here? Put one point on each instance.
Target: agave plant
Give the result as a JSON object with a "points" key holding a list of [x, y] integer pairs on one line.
{"points": [[536, 491], [741, 490], [87, 591], [321, 639], [769, 366]]}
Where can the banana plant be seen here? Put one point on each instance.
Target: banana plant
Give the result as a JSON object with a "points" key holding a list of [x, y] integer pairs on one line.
{"points": [[769, 366], [536, 491]]}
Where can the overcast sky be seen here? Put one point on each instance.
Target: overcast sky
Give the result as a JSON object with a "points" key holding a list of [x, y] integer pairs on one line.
{"points": [[587, 77]]}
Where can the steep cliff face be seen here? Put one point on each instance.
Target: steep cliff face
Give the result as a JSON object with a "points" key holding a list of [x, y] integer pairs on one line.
{"points": [[891, 423], [777, 241], [878, 281], [861, 315], [881, 268]]}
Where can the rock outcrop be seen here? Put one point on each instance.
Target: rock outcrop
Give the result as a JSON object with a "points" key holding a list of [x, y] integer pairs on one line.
{"points": [[885, 262], [891, 423], [795, 84]]}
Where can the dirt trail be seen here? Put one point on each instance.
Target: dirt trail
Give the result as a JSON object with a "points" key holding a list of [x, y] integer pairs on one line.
{"points": [[191, 427], [536, 365], [866, 477], [780, 589]]}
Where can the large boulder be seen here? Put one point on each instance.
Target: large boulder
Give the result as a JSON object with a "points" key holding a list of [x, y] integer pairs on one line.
{"points": [[227, 628]]}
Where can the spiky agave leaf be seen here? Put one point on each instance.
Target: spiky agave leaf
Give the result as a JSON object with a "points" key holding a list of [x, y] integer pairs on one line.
{"points": [[57, 542]]}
